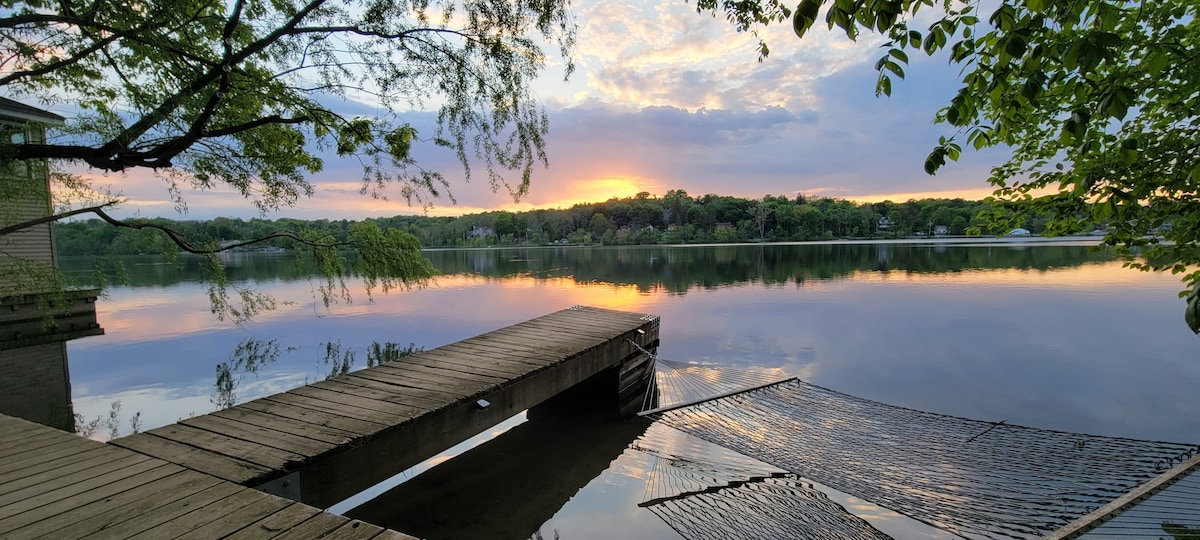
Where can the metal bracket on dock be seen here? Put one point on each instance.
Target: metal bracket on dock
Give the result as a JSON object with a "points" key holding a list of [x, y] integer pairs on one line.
{"points": [[284, 486]]}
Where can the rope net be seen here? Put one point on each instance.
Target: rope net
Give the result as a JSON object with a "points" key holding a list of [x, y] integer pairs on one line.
{"points": [[972, 478], [729, 496]]}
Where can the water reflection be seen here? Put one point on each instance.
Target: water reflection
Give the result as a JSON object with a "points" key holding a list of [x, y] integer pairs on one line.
{"points": [[509, 486], [1052, 336]]}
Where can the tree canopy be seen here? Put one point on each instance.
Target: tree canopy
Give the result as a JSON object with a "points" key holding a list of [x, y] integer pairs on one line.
{"points": [[248, 94], [1098, 101]]}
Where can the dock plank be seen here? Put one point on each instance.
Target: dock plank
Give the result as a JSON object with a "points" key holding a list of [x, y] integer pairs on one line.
{"points": [[506, 347], [41, 483], [404, 387], [435, 361], [44, 497], [265, 456], [138, 523], [44, 472], [355, 530], [439, 379], [382, 391], [91, 517], [73, 504], [374, 418], [35, 463], [113, 492], [275, 524], [451, 370], [34, 446], [238, 518], [531, 351], [259, 435], [317, 432], [352, 426], [190, 521], [393, 412], [219, 465], [493, 360], [316, 527]]}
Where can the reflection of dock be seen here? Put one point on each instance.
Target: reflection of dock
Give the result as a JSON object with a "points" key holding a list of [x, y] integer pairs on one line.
{"points": [[509, 486], [327, 441], [57, 485]]}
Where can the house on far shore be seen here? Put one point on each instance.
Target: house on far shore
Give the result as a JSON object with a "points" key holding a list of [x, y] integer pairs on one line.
{"points": [[37, 317], [480, 231], [941, 230], [1019, 232]]}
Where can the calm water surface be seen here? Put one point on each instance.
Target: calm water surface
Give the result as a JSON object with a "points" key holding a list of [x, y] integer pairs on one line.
{"points": [[1055, 336]]}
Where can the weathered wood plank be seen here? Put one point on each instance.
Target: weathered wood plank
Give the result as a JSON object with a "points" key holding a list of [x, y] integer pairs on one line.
{"points": [[506, 363], [389, 534], [259, 435], [238, 518], [494, 364], [392, 411], [316, 527], [564, 339], [219, 465], [353, 426], [62, 455], [43, 473], [74, 503], [277, 523], [125, 524], [444, 379], [354, 530], [348, 386], [512, 349], [374, 418], [502, 340], [266, 456], [434, 361], [599, 317], [577, 329], [406, 386], [195, 519], [59, 492], [452, 370], [94, 516], [318, 432], [35, 445], [51, 480], [402, 393]]}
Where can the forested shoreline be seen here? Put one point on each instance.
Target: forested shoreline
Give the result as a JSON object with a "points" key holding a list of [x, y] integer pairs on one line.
{"points": [[675, 218]]}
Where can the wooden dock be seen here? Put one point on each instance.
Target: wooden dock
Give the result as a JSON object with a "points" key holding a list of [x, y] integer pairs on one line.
{"points": [[60, 486], [324, 442]]}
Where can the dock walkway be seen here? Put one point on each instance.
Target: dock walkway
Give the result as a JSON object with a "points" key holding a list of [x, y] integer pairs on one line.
{"points": [[57, 485], [326, 441]]}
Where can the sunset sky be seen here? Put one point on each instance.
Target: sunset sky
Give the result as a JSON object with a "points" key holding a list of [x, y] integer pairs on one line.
{"points": [[665, 98]]}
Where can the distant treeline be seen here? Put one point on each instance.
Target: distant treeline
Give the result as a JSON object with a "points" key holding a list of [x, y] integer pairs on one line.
{"points": [[676, 218]]}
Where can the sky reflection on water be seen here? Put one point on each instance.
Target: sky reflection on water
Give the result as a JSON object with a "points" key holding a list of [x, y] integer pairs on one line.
{"points": [[1054, 339]]}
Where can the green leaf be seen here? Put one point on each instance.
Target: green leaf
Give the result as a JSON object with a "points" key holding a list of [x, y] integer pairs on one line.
{"points": [[805, 16], [1192, 313], [899, 55], [883, 86]]}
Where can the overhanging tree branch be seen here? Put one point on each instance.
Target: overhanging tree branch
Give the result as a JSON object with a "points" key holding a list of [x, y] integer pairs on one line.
{"points": [[174, 235]]}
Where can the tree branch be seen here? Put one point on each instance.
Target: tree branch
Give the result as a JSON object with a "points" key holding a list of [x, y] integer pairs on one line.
{"points": [[171, 233]]}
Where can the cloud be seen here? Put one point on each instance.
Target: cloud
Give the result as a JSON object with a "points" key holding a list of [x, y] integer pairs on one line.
{"points": [[666, 98]]}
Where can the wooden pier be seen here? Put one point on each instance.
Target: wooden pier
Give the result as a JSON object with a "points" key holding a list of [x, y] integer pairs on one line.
{"points": [[324, 442], [313, 445], [61, 486]]}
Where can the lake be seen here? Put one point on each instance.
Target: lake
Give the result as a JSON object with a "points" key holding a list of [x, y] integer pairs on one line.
{"points": [[1054, 335]]}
